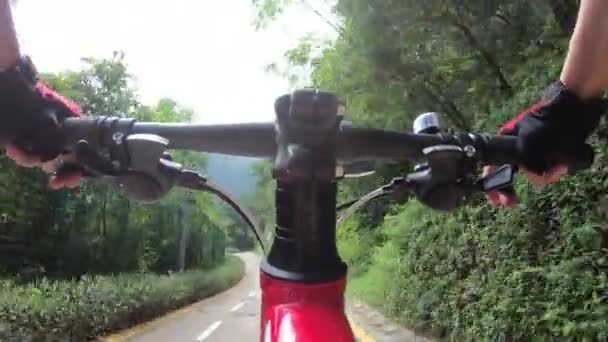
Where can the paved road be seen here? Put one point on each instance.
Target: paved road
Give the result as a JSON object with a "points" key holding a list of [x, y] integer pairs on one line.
{"points": [[228, 316], [234, 316]]}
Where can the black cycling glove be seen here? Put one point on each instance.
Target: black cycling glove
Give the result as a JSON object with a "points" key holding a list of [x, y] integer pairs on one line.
{"points": [[554, 131], [31, 112]]}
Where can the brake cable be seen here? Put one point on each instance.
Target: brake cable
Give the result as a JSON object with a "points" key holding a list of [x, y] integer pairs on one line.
{"points": [[345, 205], [442, 195], [193, 180], [398, 187], [146, 172]]}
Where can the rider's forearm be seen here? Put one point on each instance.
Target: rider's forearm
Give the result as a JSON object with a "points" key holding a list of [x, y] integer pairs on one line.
{"points": [[9, 46], [586, 68]]}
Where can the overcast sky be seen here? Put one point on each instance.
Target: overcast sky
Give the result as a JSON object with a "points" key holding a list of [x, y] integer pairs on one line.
{"points": [[204, 54]]}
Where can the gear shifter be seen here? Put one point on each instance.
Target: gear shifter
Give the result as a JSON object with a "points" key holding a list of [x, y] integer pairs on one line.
{"points": [[499, 179]]}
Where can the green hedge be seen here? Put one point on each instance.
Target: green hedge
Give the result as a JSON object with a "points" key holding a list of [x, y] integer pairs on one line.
{"points": [[94, 306], [535, 273], [538, 272]]}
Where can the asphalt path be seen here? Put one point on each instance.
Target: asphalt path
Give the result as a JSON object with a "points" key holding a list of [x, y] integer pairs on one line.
{"points": [[234, 315]]}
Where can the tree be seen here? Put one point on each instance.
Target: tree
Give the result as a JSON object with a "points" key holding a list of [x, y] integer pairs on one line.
{"points": [[477, 273], [98, 230]]}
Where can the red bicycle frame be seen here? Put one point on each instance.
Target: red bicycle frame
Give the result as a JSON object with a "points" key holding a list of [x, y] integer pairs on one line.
{"points": [[301, 312]]}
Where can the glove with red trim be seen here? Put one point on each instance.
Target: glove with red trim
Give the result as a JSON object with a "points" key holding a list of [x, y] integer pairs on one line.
{"points": [[554, 131], [552, 138], [31, 113]]}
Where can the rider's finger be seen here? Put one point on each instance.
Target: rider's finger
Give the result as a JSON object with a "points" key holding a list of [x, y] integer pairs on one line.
{"points": [[498, 198], [22, 158], [488, 169], [71, 180], [556, 173], [550, 176], [53, 165], [493, 197], [507, 200], [534, 178], [68, 157], [55, 182]]}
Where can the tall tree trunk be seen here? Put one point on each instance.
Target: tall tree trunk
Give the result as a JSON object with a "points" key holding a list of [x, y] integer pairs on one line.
{"points": [[565, 12], [487, 57], [183, 241], [104, 223]]}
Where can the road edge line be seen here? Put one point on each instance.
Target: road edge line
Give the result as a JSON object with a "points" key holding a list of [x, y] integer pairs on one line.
{"points": [[360, 334], [124, 335]]}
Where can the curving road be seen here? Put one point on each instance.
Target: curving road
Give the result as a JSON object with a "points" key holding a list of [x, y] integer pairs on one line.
{"points": [[229, 316], [233, 315]]}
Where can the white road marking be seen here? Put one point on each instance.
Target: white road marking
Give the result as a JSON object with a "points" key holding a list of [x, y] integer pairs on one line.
{"points": [[209, 331], [251, 294], [238, 306]]}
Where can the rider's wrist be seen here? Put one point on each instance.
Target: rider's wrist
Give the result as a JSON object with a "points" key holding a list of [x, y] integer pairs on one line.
{"points": [[21, 81], [560, 95], [582, 88], [9, 46], [561, 104], [22, 70]]}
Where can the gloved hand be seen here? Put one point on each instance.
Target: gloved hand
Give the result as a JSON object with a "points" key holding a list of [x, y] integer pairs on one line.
{"points": [[552, 138], [30, 115]]}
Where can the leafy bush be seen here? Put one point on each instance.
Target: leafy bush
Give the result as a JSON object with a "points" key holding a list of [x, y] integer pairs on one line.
{"points": [[93, 306], [537, 271]]}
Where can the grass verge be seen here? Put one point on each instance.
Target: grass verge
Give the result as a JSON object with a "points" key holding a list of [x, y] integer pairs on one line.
{"points": [[95, 306]]}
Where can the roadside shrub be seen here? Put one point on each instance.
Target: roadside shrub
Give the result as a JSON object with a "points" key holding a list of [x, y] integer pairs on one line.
{"points": [[536, 272], [81, 310]]}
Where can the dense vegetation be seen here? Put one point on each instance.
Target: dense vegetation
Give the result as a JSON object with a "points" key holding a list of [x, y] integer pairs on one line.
{"points": [[537, 272], [98, 230], [96, 305], [65, 254]]}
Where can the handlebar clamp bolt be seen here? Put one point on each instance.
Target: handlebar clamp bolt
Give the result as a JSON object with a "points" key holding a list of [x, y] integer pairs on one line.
{"points": [[470, 151], [116, 165], [118, 138]]}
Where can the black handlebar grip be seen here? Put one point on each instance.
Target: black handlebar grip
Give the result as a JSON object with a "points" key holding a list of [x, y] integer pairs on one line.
{"points": [[505, 149], [501, 149]]}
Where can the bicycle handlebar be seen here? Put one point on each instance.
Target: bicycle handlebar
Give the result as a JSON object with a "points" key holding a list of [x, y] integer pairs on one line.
{"points": [[258, 140], [306, 142]]}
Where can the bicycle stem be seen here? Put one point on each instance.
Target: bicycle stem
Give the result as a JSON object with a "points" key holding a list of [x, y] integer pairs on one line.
{"points": [[304, 248]]}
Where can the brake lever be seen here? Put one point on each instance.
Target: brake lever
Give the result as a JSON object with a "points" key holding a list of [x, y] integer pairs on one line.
{"points": [[89, 163], [138, 165]]}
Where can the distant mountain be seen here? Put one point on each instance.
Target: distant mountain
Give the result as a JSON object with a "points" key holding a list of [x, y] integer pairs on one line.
{"points": [[232, 173]]}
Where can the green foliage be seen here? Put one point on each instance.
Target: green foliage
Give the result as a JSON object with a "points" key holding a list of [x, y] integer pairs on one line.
{"points": [[98, 230], [268, 10], [484, 274], [535, 273], [96, 305], [263, 200]]}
